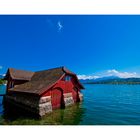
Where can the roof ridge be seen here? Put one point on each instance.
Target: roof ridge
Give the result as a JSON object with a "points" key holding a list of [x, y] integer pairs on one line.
{"points": [[20, 69], [51, 69], [68, 71], [19, 74]]}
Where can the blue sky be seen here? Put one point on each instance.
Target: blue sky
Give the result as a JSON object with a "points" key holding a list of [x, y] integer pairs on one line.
{"points": [[88, 45]]}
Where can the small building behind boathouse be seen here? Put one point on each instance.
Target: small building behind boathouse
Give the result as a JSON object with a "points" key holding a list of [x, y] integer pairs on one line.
{"points": [[42, 91]]}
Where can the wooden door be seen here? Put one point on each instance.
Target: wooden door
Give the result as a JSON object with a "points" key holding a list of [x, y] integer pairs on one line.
{"points": [[56, 98]]}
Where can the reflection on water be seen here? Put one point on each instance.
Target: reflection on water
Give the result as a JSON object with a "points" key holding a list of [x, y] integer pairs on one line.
{"points": [[69, 116]]}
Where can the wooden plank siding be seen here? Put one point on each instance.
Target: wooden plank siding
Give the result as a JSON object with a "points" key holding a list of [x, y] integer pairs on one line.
{"points": [[66, 87]]}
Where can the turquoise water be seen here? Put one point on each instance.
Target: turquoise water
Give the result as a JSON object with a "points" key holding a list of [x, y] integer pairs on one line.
{"points": [[102, 105], [2, 91], [111, 104]]}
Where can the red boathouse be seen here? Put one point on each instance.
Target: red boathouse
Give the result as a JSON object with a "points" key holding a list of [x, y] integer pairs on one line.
{"points": [[41, 92]]}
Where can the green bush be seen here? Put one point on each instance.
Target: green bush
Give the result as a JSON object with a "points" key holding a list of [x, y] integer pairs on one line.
{"points": [[2, 81]]}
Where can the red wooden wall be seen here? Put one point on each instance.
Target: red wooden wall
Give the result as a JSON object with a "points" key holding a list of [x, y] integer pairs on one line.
{"points": [[66, 87]]}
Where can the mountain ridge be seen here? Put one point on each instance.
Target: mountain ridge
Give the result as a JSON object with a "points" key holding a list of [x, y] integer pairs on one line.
{"points": [[112, 80]]}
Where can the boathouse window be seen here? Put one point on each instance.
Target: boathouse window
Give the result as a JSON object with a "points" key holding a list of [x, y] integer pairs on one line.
{"points": [[68, 78]]}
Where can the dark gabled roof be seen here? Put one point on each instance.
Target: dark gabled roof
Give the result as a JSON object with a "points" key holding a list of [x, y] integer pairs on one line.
{"points": [[43, 80], [19, 74]]}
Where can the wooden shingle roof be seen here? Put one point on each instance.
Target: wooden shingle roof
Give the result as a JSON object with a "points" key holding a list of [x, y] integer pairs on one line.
{"points": [[19, 74], [42, 80]]}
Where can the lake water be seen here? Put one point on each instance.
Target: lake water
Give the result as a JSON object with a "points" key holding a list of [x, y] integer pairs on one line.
{"points": [[102, 105]]}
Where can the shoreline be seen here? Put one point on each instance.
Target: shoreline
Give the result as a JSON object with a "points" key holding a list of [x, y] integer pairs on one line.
{"points": [[3, 84]]}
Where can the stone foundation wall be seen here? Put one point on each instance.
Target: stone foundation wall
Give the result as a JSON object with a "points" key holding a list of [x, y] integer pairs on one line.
{"points": [[68, 99], [45, 105], [40, 106], [80, 96]]}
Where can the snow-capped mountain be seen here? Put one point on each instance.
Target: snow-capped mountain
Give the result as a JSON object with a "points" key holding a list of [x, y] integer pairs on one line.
{"points": [[112, 80]]}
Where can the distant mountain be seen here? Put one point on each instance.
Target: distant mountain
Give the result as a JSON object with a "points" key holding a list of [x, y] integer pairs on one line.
{"points": [[87, 80], [112, 80], [98, 79], [106, 78]]}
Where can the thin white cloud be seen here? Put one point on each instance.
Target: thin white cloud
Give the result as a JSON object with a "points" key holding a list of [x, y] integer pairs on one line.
{"points": [[84, 77], [112, 72], [59, 25], [1, 67], [121, 74]]}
